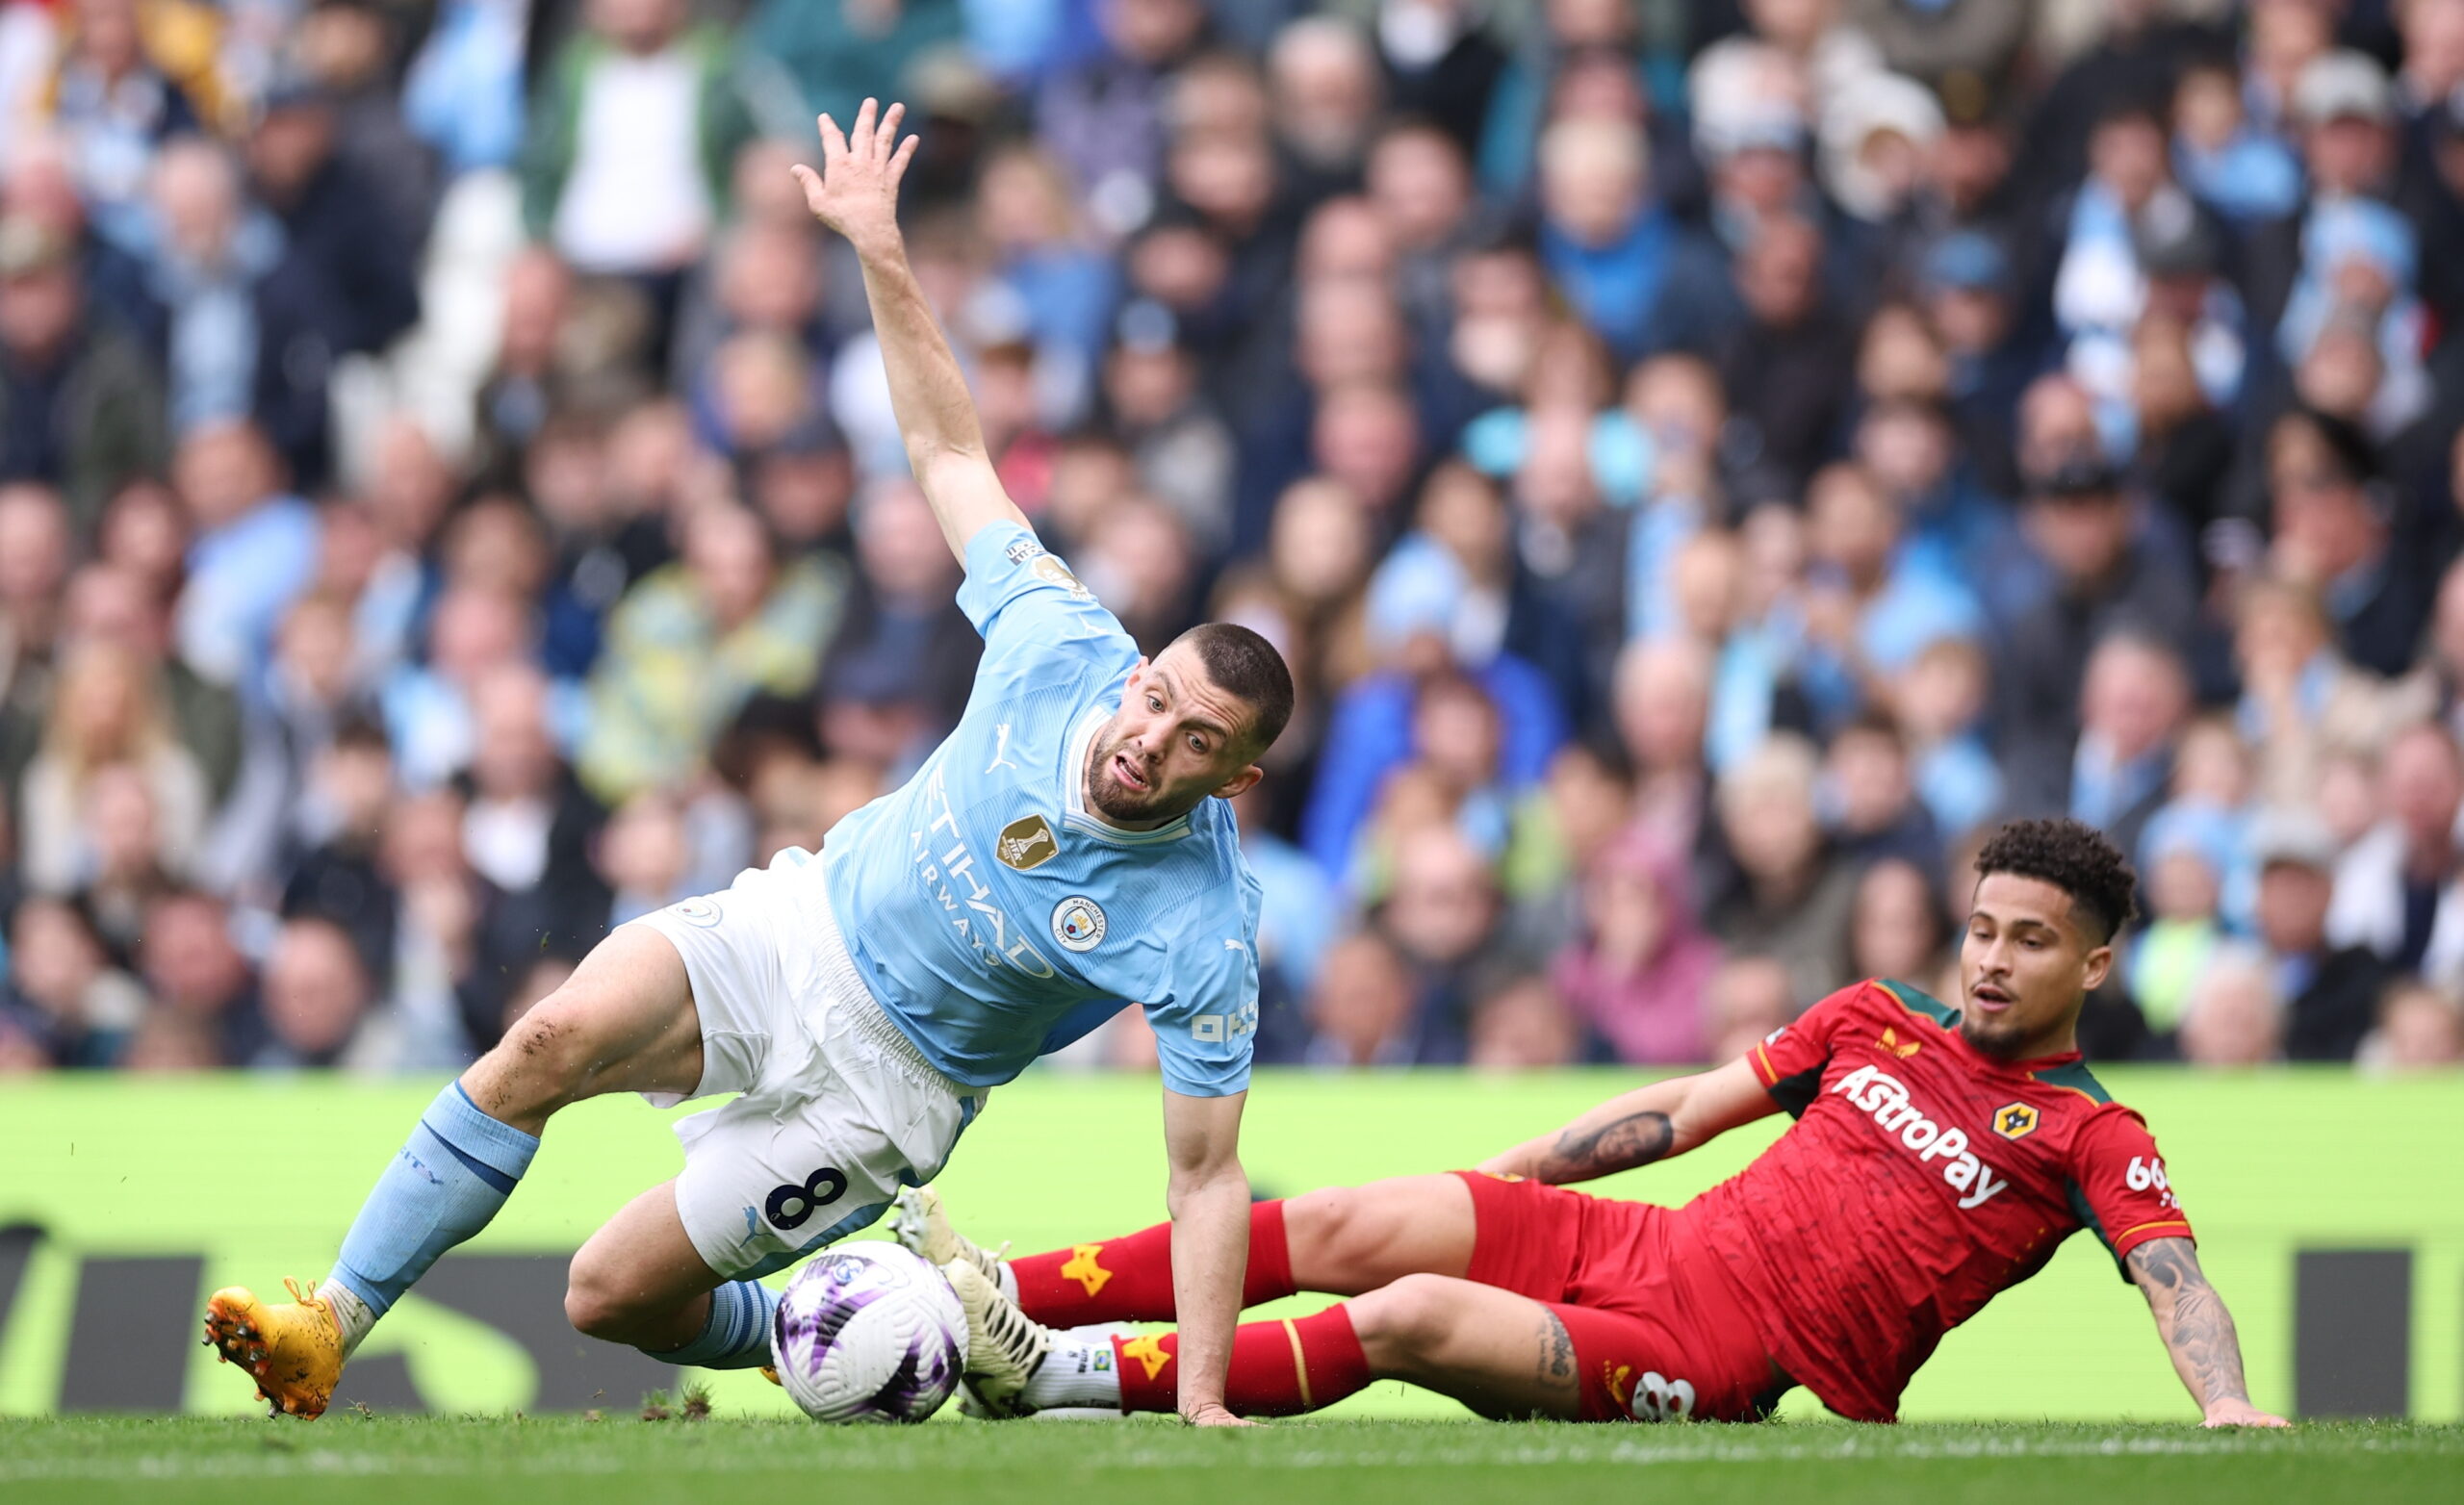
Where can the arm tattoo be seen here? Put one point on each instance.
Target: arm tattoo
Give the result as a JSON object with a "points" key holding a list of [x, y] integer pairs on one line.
{"points": [[1636, 1139], [2198, 1329]]}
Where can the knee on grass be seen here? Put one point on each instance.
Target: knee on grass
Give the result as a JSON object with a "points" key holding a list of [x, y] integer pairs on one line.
{"points": [[601, 1302]]}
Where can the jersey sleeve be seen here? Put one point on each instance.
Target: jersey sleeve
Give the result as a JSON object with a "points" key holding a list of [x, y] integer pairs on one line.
{"points": [[1026, 603], [1789, 1059], [2119, 1186], [1207, 1025]]}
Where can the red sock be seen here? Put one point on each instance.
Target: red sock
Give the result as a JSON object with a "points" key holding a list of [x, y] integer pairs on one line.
{"points": [[1130, 1280], [1278, 1368]]}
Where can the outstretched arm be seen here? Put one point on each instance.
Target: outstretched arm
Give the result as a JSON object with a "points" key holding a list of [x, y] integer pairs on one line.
{"points": [[2198, 1332], [1209, 1199], [1648, 1124], [855, 193]]}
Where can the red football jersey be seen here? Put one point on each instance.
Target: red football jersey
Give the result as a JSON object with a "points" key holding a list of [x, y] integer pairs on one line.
{"points": [[1921, 1178]]}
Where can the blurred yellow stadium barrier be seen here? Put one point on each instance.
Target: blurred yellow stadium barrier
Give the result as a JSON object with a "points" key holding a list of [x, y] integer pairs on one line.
{"points": [[2330, 1207]]}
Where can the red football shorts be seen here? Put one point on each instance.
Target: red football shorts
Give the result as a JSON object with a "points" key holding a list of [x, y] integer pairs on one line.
{"points": [[1660, 1332]]}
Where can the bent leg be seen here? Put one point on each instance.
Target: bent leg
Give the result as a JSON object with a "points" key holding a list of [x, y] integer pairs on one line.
{"points": [[624, 1020], [640, 1281], [1342, 1240], [1501, 1354]]}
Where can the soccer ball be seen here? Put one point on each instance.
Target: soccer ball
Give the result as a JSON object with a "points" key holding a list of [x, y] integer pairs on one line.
{"points": [[869, 1331]]}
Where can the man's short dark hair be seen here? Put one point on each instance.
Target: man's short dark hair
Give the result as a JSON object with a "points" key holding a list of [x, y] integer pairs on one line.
{"points": [[1245, 665], [2074, 858]]}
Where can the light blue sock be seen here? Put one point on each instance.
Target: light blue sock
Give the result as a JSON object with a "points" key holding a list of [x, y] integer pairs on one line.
{"points": [[450, 1176], [738, 1335]]}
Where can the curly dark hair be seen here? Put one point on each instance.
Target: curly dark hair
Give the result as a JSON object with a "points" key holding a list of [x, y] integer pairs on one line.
{"points": [[2075, 857]]}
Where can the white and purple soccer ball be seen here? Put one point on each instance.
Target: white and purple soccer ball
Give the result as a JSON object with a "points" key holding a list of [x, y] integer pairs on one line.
{"points": [[869, 1331]]}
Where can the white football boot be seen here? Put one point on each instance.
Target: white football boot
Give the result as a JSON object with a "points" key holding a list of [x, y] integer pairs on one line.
{"points": [[1005, 1346], [921, 1226]]}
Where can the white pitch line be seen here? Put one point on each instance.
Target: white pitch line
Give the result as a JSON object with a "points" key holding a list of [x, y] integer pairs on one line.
{"points": [[328, 1463]]}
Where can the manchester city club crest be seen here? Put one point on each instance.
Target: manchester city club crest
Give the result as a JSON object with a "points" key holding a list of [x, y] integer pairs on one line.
{"points": [[1078, 923]]}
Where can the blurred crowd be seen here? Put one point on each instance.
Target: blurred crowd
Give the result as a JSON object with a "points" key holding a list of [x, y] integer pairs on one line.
{"points": [[1705, 461]]}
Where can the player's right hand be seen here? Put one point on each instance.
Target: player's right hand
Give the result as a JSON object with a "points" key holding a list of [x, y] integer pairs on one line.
{"points": [[2240, 1413], [1213, 1414], [856, 191]]}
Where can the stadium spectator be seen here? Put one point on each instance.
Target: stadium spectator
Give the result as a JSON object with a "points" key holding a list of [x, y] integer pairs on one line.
{"points": [[318, 1002], [447, 491], [631, 138], [106, 721], [1414, 607], [1523, 1027], [2237, 1015], [2189, 850], [690, 643], [1640, 969], [346, 284], [2103, 580], [2329, 993], [195, 973], [1793, 894], [1747, 999], [1360, 1013], [252, 549], [1897, 928], [64, 994], [2420, 1029], [2396, 887], [1446, 920], [81, 407]]}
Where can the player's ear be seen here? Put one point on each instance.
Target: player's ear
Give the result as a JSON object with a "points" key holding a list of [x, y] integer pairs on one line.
{"points": [[1138, 670], [1240, 784], [2096, 964]]}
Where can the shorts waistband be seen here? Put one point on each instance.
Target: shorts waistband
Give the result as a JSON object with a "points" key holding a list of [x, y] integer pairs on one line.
{"points": [[854, 1002]]}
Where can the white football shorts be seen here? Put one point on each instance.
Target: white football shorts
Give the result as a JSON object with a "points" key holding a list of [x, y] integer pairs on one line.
{"points": [[837, 1109]]}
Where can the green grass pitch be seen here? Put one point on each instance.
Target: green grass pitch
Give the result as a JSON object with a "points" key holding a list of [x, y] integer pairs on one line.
{"points": [[482, 1461]]}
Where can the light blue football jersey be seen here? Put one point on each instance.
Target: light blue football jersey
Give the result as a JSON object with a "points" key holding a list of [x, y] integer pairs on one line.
{"points": [[997, 919]]}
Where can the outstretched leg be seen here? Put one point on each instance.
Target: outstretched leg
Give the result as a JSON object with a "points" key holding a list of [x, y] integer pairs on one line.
{"points": [[624, 1021], [1501, 1354], [1342, 1240]]}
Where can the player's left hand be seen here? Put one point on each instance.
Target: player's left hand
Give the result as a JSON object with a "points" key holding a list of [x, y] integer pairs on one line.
{"points": [[2240, 1413], [1213, 1414], [856, 191]]}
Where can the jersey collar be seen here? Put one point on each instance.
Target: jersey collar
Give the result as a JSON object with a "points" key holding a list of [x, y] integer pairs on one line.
{"points": [[1073, 783]]}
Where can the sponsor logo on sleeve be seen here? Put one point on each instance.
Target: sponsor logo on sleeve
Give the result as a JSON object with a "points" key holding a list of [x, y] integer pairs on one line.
{"points": [[1026, 844], [1886, 1097], [1078, 923], [1021, 549], [2015, 1120]]}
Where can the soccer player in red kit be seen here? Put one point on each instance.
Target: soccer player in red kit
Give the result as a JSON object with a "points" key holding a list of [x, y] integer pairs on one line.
{"points": [[1939, 1155]]}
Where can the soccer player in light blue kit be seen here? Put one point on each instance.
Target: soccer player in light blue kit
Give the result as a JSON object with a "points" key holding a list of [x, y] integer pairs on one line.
{"points": [[1068, 850]]}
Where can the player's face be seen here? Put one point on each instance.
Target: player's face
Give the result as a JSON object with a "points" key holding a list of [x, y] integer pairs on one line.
{"points": [[1176, 739], [2025, 968]]}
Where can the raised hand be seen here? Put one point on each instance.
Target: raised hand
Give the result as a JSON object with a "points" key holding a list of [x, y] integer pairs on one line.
{"points": [[856, 191]]}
